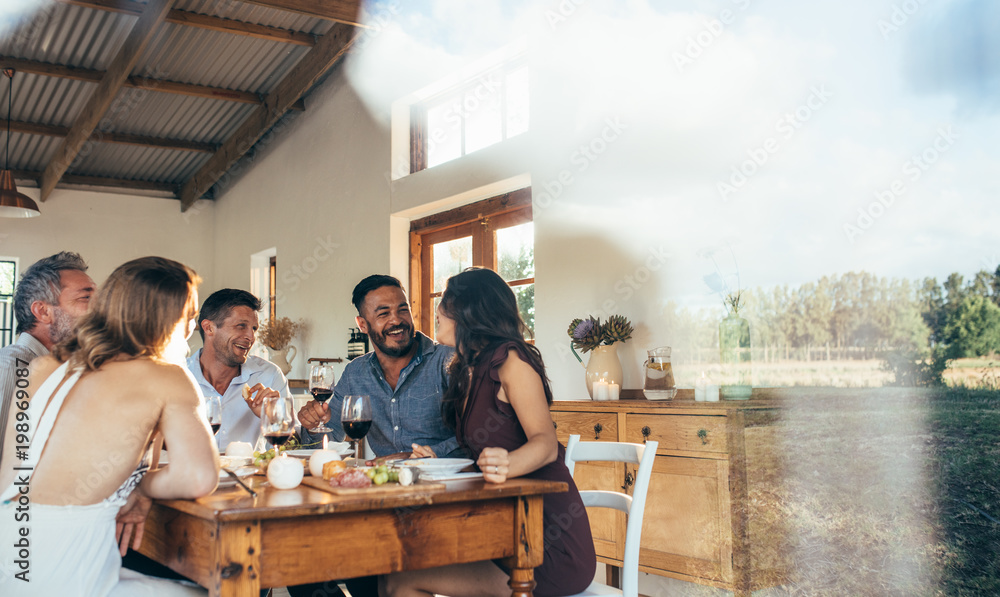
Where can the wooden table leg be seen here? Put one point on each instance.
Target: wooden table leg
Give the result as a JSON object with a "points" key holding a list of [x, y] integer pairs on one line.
{"points": [[238, 563], [522, 582], [529, 535]]}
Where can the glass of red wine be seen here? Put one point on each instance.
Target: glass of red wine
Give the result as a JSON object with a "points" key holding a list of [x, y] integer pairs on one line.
{"points": [[356, 417], [277, 420], [213, 411], [321, 388]]}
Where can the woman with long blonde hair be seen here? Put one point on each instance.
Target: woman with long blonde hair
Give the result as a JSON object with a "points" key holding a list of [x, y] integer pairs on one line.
{"points": [[88, 416]]}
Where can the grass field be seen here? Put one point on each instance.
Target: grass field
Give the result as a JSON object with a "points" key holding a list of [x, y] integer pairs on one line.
{"points": [[888, 492], [851, 373]]}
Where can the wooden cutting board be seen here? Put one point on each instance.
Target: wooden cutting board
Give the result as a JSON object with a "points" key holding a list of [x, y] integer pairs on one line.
{"points": [[374, 490]]}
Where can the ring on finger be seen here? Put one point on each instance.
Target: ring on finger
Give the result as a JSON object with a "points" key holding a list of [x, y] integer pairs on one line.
{"points": [[496, 469]]}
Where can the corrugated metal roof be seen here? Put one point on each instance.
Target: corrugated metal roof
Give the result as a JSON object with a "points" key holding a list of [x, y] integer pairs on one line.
{"points": [[47, 100], [139, 163], [31, 152], [202, 57], [67, 35], [70, 35], [182, 117], [259, 15]]}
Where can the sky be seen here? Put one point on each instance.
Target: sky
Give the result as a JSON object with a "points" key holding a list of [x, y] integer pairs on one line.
{"points": [[803, 139], [800, 138]]}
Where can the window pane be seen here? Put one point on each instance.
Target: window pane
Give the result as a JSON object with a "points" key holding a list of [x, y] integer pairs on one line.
{"points": [[434, 321], [526, 304], [444, 133], [450, 258], [516, 252], [517, 102], [6, 278], [483, 118]]}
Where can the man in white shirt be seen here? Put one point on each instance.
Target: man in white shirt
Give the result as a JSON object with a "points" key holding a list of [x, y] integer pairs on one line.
{"points": [[228, 326], [51, 295]]}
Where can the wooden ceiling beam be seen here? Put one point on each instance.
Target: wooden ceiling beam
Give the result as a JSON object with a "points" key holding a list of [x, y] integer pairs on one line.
{"points": [[194, 19], [339, 11], [328, 50], [100, 181], [31, 128], [101, 99], [90, 75]]}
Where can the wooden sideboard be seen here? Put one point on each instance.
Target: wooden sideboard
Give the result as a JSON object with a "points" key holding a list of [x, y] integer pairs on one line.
{"points": [[710, 517]]}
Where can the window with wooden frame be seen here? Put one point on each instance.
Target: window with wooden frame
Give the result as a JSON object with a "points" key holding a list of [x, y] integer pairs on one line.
{"points": [[8, 279], [272, 297], [480, 112], [497, 233]]}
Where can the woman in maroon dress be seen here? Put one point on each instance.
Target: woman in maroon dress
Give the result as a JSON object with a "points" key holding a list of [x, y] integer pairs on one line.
{"points": [[498, 401]]}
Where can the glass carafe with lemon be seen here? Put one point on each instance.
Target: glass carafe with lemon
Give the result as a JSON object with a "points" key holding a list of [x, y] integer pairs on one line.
{"points": [[658, 383]]}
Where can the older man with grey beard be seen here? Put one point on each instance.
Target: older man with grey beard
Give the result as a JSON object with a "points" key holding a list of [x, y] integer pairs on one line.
{"points": [[51, 295]]}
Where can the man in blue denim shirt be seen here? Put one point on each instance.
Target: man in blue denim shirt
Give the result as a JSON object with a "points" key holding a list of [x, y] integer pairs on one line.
{"points": [[405, 376]]}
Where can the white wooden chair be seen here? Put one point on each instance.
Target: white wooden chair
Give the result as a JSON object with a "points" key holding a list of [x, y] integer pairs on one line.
{"points": [[632, 505]]}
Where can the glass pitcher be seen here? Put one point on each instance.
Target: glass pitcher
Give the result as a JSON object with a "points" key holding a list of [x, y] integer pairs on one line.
{"points": [[658, 383]]}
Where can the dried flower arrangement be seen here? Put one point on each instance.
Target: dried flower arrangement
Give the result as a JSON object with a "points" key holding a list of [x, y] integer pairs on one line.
{"points": [[278, 332], [588, 334]]}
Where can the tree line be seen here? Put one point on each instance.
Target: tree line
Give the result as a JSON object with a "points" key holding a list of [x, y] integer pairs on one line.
{"points": [[859, 315]]}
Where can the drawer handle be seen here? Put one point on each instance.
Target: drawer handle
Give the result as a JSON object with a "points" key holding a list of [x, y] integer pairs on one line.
{"points": [[598, 428], [703, 435], [555, 425], [629, 479], [645, 433]]}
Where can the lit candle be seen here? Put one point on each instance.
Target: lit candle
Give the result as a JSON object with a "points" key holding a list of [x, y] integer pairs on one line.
{"points": [[712, 393], [600, 390], [613, 391], [700, 388]]}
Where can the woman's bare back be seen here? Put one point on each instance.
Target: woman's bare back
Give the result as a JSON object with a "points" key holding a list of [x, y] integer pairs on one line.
{"points": [[105, 426]]}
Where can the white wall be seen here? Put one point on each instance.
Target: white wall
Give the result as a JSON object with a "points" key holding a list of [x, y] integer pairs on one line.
{"points": [[109, 229], [319, 194]]}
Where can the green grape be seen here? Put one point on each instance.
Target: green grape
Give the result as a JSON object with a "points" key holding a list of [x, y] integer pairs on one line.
{"points": [[380, 478]]}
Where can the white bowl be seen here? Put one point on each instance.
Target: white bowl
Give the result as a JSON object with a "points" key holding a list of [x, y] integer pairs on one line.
{"points": [[438, 466]]}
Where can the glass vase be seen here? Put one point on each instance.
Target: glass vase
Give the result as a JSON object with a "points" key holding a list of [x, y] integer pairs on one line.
{"points": [[734, 356]]}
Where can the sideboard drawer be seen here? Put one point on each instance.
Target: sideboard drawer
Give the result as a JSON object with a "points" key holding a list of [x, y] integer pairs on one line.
{"points": [[695, 433], [589, 426]]}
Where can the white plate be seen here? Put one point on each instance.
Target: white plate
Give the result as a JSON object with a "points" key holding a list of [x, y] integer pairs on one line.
{"points": [[450, 477], [244, 471], [345, 451], [437, 466]]}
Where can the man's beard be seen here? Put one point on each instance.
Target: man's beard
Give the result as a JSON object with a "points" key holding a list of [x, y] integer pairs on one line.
{"points": [[62, 326], [379, 340]]}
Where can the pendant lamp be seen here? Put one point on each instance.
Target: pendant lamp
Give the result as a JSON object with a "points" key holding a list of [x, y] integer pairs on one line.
{"points": [[12, 203]]}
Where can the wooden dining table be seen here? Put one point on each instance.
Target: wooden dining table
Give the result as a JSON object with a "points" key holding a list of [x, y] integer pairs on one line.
{"points": [[234, 544]]}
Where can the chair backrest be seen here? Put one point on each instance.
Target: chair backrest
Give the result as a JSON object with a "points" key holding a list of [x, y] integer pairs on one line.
{"points": [[633, 505]]}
